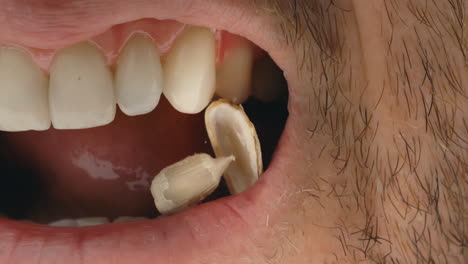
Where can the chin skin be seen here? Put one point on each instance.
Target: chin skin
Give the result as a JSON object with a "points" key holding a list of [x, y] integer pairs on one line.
{"points": [[351, 180]]}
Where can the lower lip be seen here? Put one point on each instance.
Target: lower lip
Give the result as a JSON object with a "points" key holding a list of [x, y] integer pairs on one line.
{"points": [[224, 226]]}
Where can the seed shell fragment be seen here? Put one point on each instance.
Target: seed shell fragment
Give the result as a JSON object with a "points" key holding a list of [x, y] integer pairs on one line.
{"points": [[232, 133]]}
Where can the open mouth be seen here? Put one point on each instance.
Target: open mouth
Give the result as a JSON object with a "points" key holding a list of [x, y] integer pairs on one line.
{"points": [[88, 126]]}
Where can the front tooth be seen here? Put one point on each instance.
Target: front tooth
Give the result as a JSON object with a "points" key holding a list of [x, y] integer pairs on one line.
{"points": [[81, 90], [23, 92], [125, 219], [187, 182], [233, 77], [190, 71], [92, 221], [64, 223], [231, 133], [138, 77]]}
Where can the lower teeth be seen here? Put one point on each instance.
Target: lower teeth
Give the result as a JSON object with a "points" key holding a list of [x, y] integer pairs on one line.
{"points": [[93, 221]]}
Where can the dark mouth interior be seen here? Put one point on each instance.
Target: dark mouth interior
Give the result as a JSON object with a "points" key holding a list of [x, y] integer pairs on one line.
{"points": [[23, 192]]}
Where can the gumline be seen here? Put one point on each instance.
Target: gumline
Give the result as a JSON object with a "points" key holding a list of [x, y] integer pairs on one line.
{"points": [[44, 57]]}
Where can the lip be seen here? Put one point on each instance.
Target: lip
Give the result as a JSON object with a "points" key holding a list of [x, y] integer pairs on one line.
{"points": [[35, 24], [207, 233]]}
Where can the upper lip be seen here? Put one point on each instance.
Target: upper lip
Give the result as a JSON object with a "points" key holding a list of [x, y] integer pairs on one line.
{"points": [[40, 24], [209, 227]]}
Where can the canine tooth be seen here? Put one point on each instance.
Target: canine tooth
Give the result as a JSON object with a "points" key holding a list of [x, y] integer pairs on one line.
{"points": [[81, 88], [92, 221], [190, 71], [64, 223], [231, 133], [124, 219], [268, 83], [23, 92], [187, 182], [233, 77], [138, 77]]}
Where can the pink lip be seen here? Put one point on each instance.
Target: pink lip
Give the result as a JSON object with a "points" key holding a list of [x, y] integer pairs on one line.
{"points": [[205, 234], [56, 24]]}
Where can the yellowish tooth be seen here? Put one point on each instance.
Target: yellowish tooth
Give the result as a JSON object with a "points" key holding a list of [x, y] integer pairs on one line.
{"points": [[187, 182], [233, 76], [81, 88], [138, 77], [231, 133], [190, 71], [23, 92]]}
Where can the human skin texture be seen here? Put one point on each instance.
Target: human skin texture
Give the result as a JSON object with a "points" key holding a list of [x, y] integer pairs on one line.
{"points": [[373, 165]]}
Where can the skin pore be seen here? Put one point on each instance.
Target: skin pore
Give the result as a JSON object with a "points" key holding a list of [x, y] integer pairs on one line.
{"points": [[377, 163]]}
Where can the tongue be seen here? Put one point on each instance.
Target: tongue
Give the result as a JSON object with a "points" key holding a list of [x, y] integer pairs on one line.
{"points": [[103, 171]]}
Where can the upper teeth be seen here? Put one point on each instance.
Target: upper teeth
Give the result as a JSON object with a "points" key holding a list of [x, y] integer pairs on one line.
{"points": [[138, 78], [83, 92], [189, 72], [234, 75], [23, 93]]}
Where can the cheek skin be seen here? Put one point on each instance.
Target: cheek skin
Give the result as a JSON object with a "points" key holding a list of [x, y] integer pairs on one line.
{"points": [[323, 210], [316, 208], [365, 172], [306, 224]]}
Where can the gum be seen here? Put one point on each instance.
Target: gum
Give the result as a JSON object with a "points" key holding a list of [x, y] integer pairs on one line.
{"points": [[163, 33]]}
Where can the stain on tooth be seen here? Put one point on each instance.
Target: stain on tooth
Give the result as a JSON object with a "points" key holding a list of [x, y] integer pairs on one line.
{"points": [[232, 133], [187, 182]]}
